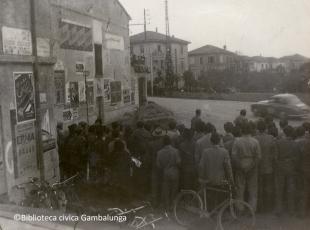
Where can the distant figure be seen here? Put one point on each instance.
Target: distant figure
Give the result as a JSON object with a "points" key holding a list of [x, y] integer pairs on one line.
{"points": [[246, 154], [196, 119], [168, 162], [241, 118]]}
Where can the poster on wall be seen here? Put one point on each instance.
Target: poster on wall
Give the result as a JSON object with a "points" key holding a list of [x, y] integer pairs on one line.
{"points": [[24, 96], [59, 78], [90, 92], [82, 96], [116, 91], [25, 150], [16, 41], [43, 47], [79, 67], [74, 93], [99, 87], [114, 42], [50, 158], [45, 121], [126, 96], [107, 90], [75, 36]]}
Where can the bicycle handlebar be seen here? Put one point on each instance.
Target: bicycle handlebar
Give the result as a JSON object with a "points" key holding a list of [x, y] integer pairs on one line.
{"points": [[65, 181]]}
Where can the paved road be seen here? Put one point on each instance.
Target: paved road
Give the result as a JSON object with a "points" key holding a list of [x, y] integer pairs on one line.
{"points": [[216, 112]]}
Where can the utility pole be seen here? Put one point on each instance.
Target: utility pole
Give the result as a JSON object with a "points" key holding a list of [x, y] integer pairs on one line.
{"points": [[86, 73], [35, 67], [144, 13], [169, 70]]}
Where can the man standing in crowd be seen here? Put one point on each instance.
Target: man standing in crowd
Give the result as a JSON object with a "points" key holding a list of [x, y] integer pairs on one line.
{"points": [[173, 133], [140, 149], [188, 171], [156, 144], [241, 118], [168, 162], [265, 170], [305, 170], [215, 165], [228, 127], [196, 119], [246, 154], [286, 168], [203, 142]]}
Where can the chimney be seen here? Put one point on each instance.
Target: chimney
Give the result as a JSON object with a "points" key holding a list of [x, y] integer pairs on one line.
{"points": [[224, 47], [156, 30]]}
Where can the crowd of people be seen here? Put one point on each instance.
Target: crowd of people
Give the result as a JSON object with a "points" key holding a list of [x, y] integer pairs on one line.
{"points": [[268, 167]]}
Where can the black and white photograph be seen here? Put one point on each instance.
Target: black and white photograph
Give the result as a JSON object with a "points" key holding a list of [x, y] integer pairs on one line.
{"points": [[155, 114]]}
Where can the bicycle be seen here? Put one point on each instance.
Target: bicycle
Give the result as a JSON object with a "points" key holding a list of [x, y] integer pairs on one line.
{"points": [[137, 221], [231, 213], [36, 193]]}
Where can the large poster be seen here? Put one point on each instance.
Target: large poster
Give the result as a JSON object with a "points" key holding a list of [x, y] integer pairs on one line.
{"points": [[26, 157], [116, 91], [50, 158], [16, 41], [60, 83], [90, 92], [82, 95], [75, 36], [24, 96], [74, 93], [126, 96], [107, 90], [114, 42]]}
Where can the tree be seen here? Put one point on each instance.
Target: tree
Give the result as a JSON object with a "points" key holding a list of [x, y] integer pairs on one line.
{"points": [[189, 81]]}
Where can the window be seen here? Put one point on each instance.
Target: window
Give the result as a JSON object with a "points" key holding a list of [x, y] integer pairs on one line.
{"points": [[182, 49], [162, 64], [141, 49], [182, 66], [201, 60], [98, 60], [159, 48], [211, 59]]}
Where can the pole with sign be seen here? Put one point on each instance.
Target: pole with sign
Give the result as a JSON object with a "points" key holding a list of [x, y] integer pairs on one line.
{"points": [[86, 73]]}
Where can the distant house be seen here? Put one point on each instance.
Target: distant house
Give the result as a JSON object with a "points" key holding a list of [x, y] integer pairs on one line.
{"points": [[208, 58], [152, 45], [293, 62], [271, 64]]}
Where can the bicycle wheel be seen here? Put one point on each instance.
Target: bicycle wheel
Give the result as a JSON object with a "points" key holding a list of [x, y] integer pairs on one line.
{"points": [[187, 207], [236, 215]]}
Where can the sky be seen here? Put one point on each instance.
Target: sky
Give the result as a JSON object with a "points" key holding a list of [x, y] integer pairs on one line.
{"points": [[252, 27]]}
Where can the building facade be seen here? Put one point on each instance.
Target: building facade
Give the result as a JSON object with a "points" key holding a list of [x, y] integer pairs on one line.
{"points": [[81, 72], [152, 45], [209, 58]]}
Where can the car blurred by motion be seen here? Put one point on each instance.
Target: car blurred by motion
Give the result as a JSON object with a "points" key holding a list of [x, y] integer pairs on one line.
{"points": [[282, 106]]}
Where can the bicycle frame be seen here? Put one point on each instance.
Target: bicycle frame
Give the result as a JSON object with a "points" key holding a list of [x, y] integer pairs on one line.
{"points": [[202, 194]]}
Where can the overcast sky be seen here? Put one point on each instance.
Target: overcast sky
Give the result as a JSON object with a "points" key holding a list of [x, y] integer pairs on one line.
{"points": [[252, 27]]}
